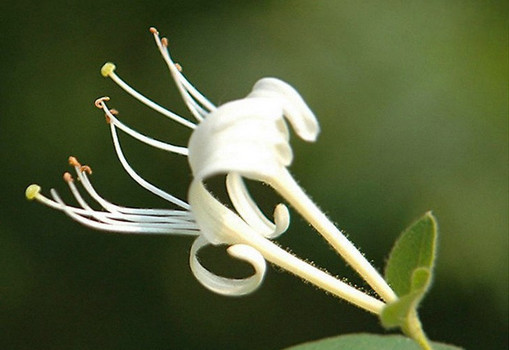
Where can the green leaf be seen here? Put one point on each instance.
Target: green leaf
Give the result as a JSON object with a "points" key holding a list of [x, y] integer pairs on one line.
{"points": [[409, 272], [397, 314], [415, 249], [367, 342]]}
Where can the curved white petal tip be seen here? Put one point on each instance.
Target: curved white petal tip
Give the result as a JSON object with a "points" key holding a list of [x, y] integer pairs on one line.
{"points": [[229, 286], [281, 219], [295, 109]]}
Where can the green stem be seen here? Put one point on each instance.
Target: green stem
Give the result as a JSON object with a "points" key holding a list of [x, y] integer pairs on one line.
{"points": [[413, 329]]}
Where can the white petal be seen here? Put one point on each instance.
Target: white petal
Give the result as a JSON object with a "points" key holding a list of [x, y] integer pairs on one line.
{"points": [[251, 213], [247, 136], [218, 224], [295, 109], [282, 219], [229, 286]]}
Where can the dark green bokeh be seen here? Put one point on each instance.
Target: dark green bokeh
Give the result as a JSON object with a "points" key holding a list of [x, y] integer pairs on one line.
{"points": [[412, 101]]}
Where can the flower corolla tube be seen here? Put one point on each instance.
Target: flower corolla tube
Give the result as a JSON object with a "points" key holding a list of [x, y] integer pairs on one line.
{"points": [[243, 139]]}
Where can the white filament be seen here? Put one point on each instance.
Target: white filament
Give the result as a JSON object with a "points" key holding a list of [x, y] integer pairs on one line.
{"points": [[141, 181], [150, 103]]}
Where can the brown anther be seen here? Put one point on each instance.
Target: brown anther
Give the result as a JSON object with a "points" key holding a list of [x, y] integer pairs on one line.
{"points": [[153, 30], [108, 113], [164, 42], [74, 162], [179, 67], [99, 103], [68, 177], [86, 169]]}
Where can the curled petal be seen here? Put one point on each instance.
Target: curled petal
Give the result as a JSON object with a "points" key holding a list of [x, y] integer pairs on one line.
{"points": [[248, 136], [294, 108], [251, 213], [218, 224], [282, 220], [229, 286]]}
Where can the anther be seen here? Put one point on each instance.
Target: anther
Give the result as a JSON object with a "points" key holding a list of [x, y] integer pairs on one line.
{"points": [[68, 177], [32, 191], [107, 115], [74, 162], [178, 66], [86, 169], [107, 69], [164, 42], [153, 30], [100, 101]]}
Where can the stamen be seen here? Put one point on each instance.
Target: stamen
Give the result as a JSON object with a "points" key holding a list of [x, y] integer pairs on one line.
{"points": [[99, 103], [140, 214], [142, 182], [74, 190], [147, 213], [74, 162], [68, 177], [198, 111], [86, 169], [134, 228], [123, 219], [111, 221], [32, 191], [108, 71], [54, 205], [163, 48], [110, 118], [190, 94]]}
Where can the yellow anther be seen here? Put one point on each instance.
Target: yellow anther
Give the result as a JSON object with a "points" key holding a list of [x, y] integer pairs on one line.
{"points": [[32, 191], [107, 69]]}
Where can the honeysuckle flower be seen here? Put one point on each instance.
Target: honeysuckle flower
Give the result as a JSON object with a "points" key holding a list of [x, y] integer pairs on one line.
{"points": [[246, 138]]}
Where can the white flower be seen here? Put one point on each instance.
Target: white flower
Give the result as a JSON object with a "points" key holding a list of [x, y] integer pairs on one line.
{"points": [[247, 138]]}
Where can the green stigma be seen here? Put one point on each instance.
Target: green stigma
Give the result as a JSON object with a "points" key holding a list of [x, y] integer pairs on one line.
{"points": [[32, 191], [107, 69]]}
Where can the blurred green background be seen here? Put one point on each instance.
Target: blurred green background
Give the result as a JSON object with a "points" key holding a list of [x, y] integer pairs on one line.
{"points": [[412, 101]]}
